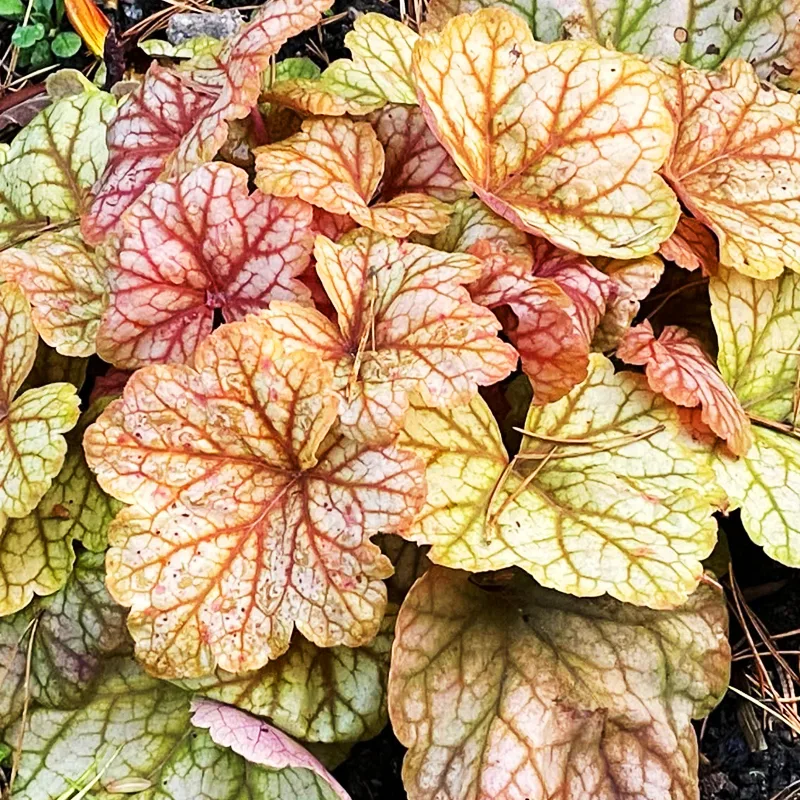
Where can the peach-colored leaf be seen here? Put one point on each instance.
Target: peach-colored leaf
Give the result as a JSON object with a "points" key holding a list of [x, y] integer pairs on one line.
{"points": [[415, 161], [563, 139], [405, 323], [257, 741], [734, 164], [526, 693], [191, 245], [145, 131], [677, 366], [337, 164], [66, 285], [251, 516], [692, 246]]}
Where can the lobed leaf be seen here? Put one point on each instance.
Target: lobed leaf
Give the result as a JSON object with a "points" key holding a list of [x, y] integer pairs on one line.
{"points": [[605, 496], [251, 516], [47, 172], [192, 245], [692, 246], [734, 165], [66, 285], [542, 695], [763, 33], [678, 367], [32, 446], [404, 324], [337, 164], [562, 139]]}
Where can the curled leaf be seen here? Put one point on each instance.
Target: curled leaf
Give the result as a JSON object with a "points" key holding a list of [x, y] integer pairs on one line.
{"points": [[678, 367], [237, 479], [192, 245], [543, 695], [405, 324], [514, 115], [605, 496], [32, 446], [692, 246], [337, 164], [66, 285]]}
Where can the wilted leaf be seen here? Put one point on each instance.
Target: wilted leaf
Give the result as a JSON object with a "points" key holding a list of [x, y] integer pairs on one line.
{"points": [[415, 161], [259, 743], [542, 695], [46, 174], [337, 164], [764, 33], [146, 130], [335, 694], [189, 246], [238, 483], [604, 497], [134, 733], [678, 367], [77, 628], [379, 72], [734, 164], [758, 329], [633, 280], [32, 446], [692, 246], [562, 139], [66, 286], [405, 324]]}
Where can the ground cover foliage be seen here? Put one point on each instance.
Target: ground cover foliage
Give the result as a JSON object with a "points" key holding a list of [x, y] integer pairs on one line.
{"points": [[395, 423]]}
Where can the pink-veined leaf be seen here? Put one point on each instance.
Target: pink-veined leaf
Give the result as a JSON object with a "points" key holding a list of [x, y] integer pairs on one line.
{"points": [[677, 366], [194, 244], [525, 693], [337, 164], [251, 516], [405, 323], [257, 741], [692, 246]]}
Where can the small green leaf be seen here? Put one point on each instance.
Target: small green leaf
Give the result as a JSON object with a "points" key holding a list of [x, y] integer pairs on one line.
{"points": [[27, 35], [66, 44], [43, 6], [40, 54], [11, 8]]}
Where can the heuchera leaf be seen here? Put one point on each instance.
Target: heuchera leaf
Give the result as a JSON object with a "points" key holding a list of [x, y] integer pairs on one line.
{"points": [[692, 246], [734, 164], [52, 366], [557, 297], [46, 174], [134, 736], [758, 327], [678, 367], [633, 280], [763, 33], [332, 695], [251, 516], [194, 244], [543, 695], [405, 324], [257, 741], [32, 446], [77, 628], [66, 286], [604, 497], [337, 164], [36, 553], [514, 114], [379, 72]]}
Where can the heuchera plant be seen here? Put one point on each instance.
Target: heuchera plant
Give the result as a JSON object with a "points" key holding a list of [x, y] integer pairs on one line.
{"points": [[384, 432]]}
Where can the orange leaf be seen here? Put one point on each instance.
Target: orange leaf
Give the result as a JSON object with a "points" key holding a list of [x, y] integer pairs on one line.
{"points": [[563, 139], [692, 246], [679, 368], [251, 516], [405, 324], [191, 245], [337, 164], [89, 22]]}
